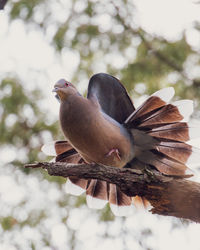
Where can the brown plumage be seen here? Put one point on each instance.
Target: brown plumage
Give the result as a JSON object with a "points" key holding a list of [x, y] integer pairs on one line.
{"points": [[87, 122]]}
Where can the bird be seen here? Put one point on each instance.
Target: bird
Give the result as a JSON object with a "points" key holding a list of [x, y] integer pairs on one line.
{"points": [[105, 128]]}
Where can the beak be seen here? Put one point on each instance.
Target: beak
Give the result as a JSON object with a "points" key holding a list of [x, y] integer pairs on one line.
{"points": [[55, 89]]}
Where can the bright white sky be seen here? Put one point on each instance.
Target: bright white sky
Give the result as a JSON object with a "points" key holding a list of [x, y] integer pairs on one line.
{"points": [[31, 57], [169, 18]]}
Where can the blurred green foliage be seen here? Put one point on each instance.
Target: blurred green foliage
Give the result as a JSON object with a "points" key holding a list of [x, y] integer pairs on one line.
{"points": [[146, 59], [22, 122], [154, 58], [8, 222]]}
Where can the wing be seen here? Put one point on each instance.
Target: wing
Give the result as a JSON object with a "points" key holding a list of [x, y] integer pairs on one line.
{"points": [[111, 95]]}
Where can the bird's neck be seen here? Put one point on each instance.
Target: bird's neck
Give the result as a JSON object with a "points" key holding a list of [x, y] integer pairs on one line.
{"points": [[65, 96], [76, 111]]}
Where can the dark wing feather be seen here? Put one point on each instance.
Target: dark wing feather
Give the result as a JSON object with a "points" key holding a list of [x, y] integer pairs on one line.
{"points": [[111, 95]]}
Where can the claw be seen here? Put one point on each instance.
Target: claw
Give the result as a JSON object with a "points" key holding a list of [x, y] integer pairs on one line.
{"points": [[114, 151]]}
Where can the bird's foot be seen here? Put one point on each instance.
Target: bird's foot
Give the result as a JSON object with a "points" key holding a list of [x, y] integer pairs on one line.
{"points": [[114, 151]]}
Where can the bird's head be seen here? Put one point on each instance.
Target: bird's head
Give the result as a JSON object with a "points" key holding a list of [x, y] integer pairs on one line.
{"points": [[63, 89]]}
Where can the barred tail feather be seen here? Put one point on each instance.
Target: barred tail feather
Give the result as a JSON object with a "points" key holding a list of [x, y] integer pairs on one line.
{"points": [[181, 152], [120, 203], [164, 164], [141, 202], [97, 194], [154, 102], [76, 186], [178, 131], [170, 113]]}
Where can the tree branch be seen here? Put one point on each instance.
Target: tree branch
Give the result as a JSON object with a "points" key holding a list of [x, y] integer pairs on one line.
{"points": [[168, 195]]}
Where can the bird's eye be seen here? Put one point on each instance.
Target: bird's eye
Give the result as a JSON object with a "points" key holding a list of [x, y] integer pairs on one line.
{"points": [[66, 84]]}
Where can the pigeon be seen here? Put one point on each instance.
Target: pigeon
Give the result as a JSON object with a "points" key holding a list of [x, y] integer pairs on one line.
{"points": [[105, 128]]}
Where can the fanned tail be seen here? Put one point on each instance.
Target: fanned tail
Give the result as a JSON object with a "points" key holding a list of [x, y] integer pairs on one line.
{"points": [[160, 133]]}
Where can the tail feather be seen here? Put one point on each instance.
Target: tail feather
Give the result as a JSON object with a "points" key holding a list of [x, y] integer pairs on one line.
{"points": [[176, 150], [176, 112], [178, 131], [49, 149], [163, 163], [180, 151], [62, 146], [56, 147], [97, 194], [64, 152], [141, 202], [160, 132], [75, 186], [82, 183], [154, 102], [70, 156], [120, 203]]}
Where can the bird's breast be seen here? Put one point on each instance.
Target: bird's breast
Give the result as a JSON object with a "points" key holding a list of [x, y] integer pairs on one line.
{"points": [[94, 135]]}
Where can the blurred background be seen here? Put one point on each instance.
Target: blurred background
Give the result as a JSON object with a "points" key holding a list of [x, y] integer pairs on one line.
{"points": [[148, 45]]}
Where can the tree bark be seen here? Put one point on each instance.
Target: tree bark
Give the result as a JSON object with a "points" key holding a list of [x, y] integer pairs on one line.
{"points": [[172, 196]]}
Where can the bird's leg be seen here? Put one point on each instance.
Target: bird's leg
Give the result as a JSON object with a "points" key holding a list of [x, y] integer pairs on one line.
{"points": [[114, 151]]}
